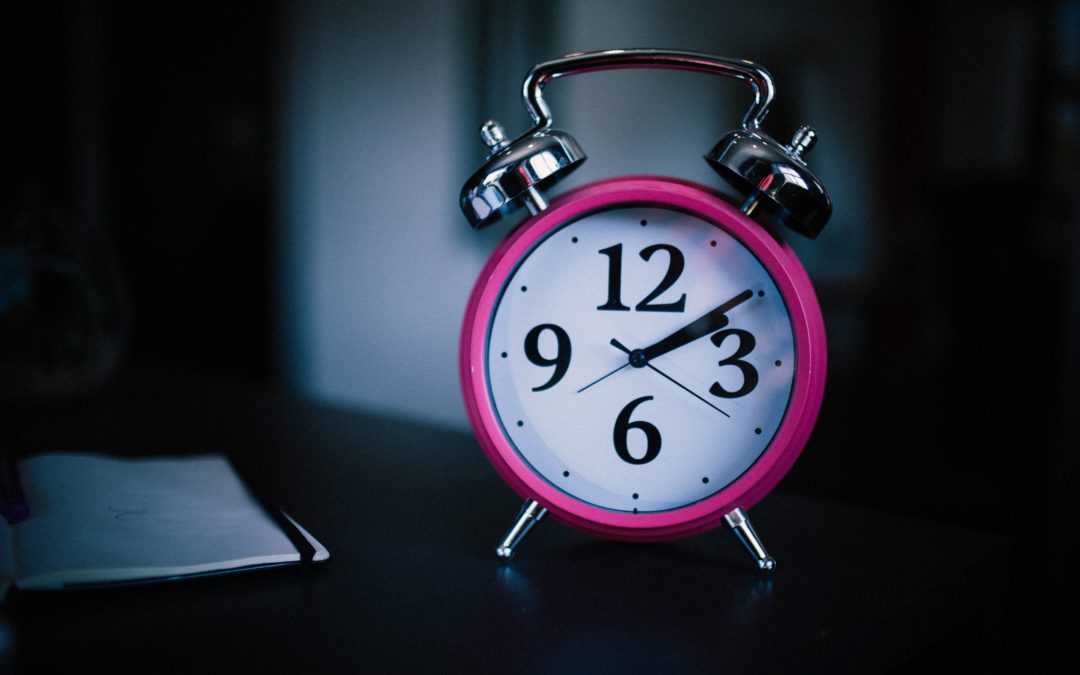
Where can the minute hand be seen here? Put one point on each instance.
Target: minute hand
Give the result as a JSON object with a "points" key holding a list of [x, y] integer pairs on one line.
{"points": [[709, 323]]}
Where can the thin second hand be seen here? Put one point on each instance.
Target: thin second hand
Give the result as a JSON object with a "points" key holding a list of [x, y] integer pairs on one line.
{"points": [[686, 389], [596, 381], [621, 347]]}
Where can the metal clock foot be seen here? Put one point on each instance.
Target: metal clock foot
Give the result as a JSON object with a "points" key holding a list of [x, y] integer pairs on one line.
{"points": [[531, 513], [739, 522]]}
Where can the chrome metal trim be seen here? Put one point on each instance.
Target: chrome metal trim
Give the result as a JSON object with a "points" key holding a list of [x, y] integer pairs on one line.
{"points": [[586, 62], [517, 170], [739, 522], [531, 513]]}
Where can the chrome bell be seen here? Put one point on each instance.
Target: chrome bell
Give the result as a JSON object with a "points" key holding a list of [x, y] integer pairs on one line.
{"points": [[773, 180], [516, 172]]}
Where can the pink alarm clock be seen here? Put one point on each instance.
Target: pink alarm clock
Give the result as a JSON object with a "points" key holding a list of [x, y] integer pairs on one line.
{"points": [[644, 358]]}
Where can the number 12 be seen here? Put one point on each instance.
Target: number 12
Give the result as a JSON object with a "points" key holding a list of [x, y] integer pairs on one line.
{"points": [[676, 264]]}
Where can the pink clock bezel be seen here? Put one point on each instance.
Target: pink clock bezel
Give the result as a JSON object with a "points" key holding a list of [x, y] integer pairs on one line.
{"points": [[807, 390]]}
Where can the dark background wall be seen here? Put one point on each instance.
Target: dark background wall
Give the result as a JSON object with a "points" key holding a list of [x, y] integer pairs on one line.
{"points": [[138, 144], [142, 222]]}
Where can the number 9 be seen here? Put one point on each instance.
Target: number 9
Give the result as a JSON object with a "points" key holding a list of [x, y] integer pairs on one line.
{"points": [[562, 355]]}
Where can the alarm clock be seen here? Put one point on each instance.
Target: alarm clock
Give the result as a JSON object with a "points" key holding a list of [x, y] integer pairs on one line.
{"points": [[643, 358]]}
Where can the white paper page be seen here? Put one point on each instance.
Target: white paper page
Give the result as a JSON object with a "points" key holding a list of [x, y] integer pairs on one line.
{"points": [[101, 519]]}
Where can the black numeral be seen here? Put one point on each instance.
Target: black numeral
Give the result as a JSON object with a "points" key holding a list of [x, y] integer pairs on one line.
{"points": [[676, 265], [614, 254], [623, 425], [561, 361], [749, 373]]}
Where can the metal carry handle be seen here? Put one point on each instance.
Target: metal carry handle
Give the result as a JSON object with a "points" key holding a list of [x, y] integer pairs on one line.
{"points": [[758, 78]]}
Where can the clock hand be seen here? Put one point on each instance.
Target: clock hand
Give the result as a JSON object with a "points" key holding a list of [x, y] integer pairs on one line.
{"points": [[604, 377], [700, 327], [618, 345]]}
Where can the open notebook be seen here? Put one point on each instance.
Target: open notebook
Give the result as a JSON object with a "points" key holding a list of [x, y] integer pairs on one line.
{"points": [[104, 520]]}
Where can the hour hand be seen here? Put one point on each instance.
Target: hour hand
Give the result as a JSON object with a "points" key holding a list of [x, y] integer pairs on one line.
{"points": [[708, 323]]}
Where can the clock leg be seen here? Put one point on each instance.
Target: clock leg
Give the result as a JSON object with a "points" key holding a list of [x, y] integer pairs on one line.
{"points": [[531, 513], [739, 522]]}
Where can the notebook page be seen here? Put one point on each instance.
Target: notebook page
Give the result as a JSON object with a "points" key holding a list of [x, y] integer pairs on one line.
{"points": [[102, 519]]}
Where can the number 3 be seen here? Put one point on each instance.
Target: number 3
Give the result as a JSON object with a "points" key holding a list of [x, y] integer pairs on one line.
{"points": [[749, 374]]}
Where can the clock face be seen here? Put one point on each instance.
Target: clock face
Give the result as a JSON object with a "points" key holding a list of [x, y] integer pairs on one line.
{"points": [[591, 396], [641, 358]]}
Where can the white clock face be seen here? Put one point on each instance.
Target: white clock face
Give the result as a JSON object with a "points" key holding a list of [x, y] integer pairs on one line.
{"points": [[640, 359]]}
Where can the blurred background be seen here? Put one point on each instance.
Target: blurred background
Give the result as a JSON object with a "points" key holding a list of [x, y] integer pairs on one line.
{"points": [[268, 192]]}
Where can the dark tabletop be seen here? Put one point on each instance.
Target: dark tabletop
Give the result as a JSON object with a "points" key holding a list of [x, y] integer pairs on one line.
{"points": [[411, 515]]}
